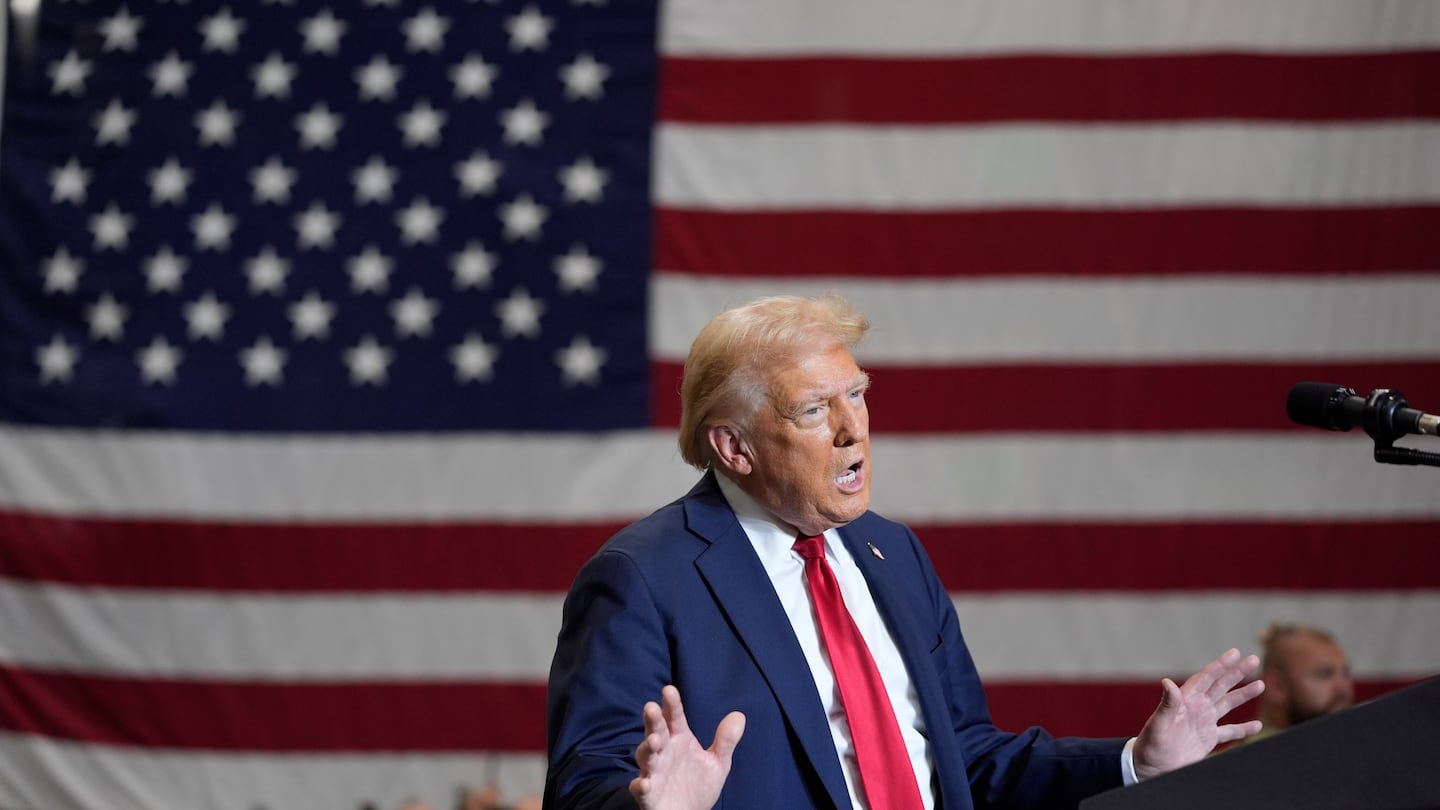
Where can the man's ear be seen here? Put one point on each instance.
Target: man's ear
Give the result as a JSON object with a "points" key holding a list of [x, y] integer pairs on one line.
{"points": [[729, 449]]}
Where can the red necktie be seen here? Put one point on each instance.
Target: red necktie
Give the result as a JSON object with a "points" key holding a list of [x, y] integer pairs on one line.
{"points": [[885, 768]]}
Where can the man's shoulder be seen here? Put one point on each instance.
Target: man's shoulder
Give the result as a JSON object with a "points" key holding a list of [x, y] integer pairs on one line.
{"points": [[666, 527]]}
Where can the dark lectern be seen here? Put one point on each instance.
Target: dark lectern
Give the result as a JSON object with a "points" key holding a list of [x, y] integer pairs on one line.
{"points": [[1380, 755]]}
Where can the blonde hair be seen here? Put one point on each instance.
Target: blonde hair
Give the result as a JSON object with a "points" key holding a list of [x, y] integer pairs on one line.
{"points": [[726, 368]]}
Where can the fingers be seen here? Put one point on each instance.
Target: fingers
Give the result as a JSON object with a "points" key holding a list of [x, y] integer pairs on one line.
{"points": [[669, 755], [1239, 697], [1222, 692], [727, 736], [654, 717], [1237, 731], [1210, 680], [656, 735], [1220, 676], [640, 789], [1226, 674], [663, 721], [674, 710], [1170, 695]]}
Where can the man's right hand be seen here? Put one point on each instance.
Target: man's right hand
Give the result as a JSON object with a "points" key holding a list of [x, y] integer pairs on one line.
{"points": [[675, 772]]}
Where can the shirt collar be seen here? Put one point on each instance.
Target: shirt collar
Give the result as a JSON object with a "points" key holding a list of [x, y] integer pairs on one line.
{"points": [[767, 533]]}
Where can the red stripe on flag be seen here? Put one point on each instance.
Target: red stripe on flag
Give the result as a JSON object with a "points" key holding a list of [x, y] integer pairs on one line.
{"points": [[1108, 708], [414, 715], [949, 244], [1052, 398], [1187, 87], [357, 558], [430, 716], [1151, 557], [295, 558]]}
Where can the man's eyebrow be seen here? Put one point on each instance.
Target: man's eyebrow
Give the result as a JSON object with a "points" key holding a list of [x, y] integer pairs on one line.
{"points": [[819, 394]]}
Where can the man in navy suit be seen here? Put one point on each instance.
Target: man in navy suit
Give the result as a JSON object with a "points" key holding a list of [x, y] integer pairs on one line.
{"points": [[706, 598]]}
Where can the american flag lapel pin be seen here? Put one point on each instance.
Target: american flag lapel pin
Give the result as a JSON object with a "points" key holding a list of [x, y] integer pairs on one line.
{"points": [[875, 551]]}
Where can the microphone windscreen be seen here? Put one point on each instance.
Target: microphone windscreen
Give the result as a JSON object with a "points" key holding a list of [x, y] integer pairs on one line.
{"points": [[1318, 404]]}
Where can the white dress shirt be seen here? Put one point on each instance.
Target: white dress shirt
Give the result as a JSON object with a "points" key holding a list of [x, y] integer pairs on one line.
{"points": [[774, 544]]}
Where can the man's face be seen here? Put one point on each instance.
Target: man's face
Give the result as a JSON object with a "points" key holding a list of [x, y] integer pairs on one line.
{"points": [[809, 443], [1317, 676]]}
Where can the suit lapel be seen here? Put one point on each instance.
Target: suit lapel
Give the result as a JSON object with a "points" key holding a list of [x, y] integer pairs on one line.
{"points": [[890, 584], [742, 589]]}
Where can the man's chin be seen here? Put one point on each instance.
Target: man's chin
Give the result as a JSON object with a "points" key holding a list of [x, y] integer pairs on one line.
{"points": [[850, 513]]}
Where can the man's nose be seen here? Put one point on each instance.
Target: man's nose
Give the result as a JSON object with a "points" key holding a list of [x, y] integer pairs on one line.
{"points": [[852, 424]]}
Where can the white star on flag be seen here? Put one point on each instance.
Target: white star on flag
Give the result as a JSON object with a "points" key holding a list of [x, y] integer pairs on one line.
{"points": [[370, 270], [107, 318], [264, 363], [369, 362], [207, 316], [67, 77], [322, 33], [529, 30], [222, 31], [414, 314], [378, 79], [69, 182], [580, 362], [112, 228], [272, 181], [523, 218], [213, 228], [164, 270], [169, 183], [310, 316], [472, 77], [57, 360], [474, 359], [267, 271], [520, 314], [473, 267], [62, 271], [159, 362], [273, 77]]}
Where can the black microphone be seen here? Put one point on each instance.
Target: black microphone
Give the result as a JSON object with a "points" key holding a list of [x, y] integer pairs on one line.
{"points": [[1335, 407]]}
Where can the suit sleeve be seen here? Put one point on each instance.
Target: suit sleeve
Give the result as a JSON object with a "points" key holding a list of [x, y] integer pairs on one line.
{"points": [[610, 659]]}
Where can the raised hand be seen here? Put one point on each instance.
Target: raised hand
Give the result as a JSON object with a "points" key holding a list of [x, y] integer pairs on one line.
{"points": [[675, 772], [1185, 727]]}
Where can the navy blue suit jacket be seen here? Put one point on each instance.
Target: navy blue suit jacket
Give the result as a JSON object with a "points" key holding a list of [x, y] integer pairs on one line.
{"points": [[681, 597]]}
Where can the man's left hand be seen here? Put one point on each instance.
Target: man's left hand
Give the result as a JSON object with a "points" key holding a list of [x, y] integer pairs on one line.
{"points": [[1186, 725]]}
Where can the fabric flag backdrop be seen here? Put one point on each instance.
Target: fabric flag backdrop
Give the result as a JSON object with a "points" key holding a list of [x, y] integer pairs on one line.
{"points": [[334, 339]]}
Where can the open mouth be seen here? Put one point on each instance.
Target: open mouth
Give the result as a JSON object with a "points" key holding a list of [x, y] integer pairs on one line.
{"points": [[850, 475]]}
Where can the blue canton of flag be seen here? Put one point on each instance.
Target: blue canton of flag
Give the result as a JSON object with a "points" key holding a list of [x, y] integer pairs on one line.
{"points": [[264, 216]]}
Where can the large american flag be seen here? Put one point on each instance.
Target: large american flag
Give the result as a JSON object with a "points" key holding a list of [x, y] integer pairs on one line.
{"points": [[334, 337]]}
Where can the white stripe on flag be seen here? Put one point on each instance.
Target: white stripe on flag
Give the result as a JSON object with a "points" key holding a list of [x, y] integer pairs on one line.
{"points": [[938, 479], [274, 638], [920, 477], [955, 167], [403, 477], [1124, 636], [41, 774], [1034, 320], [427, 637], [917, 27]]}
